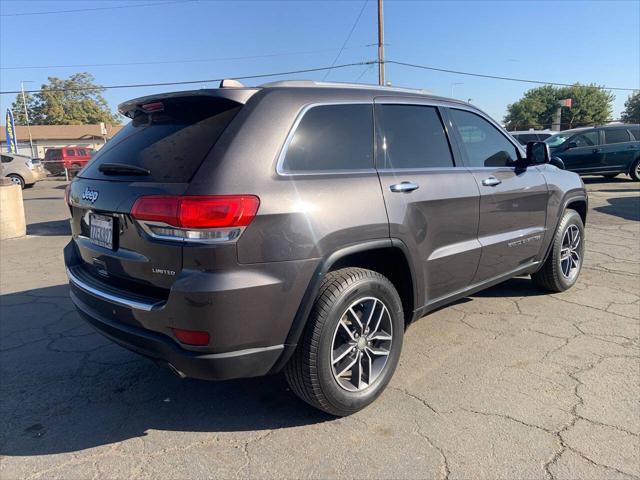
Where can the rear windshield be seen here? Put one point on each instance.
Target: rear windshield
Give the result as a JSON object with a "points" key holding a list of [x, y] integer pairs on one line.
{"points": [[171, 143]]}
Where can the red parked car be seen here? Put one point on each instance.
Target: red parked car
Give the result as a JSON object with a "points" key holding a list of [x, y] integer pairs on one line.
{"points": [[71, 158]]}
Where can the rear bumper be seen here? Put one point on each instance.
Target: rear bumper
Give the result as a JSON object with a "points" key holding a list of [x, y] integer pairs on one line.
{"points": [[160, 348], [247, 312]]}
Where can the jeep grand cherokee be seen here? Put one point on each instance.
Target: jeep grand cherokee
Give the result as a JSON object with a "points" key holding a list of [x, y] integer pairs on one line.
{"points": [[300, 227]]}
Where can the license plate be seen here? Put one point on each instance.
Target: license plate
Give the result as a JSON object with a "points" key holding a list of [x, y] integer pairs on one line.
{"points": [[101, 230]]}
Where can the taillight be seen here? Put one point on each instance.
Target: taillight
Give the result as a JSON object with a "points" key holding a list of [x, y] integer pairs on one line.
{"points": [[217, 218], [191, 337]]}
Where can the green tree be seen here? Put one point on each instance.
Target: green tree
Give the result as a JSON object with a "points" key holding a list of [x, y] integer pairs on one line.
{"points": [[17, 107], [631, 112], [76, 100], [590, 105]]}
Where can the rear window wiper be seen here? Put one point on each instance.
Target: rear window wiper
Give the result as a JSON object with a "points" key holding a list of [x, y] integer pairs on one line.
{"points": [[122, 169]]}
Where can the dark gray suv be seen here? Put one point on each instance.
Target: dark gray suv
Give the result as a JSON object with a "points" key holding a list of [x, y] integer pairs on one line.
{"points": [[300, 227]]}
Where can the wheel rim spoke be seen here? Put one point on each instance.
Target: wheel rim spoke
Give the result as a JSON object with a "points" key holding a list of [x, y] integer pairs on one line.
{"points": [[348, 367], [347, 329], [341, 352], [357, 319], [378, 351]]}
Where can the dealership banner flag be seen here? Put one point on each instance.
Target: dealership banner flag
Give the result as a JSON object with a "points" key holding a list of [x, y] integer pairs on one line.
{"points": [[12, 144]]}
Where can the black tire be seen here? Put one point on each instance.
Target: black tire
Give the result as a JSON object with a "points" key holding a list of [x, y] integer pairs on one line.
{"points": [[634, 173], [609, 175], [17, 179], [553, 274], [310, 372]]}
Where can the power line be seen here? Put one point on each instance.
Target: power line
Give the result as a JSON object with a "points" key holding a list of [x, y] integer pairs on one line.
{"points": [[364, 4], [165, 62], [93, 9], [188, 82], [496, 77]]}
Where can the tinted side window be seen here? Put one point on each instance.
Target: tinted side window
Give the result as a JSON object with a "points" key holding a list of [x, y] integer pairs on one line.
{"points": [[635, 131], [53, 155], [587, 139], [411, 136], [616, 136], [484, 145], [332, 137], [6, 159], [70, 153]]}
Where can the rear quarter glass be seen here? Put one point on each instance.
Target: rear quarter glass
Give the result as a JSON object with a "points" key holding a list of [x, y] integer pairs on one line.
{"points": [[171, 143]]}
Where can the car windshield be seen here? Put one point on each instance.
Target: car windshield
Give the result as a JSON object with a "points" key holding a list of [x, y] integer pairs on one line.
{"points": [[557, 139]]}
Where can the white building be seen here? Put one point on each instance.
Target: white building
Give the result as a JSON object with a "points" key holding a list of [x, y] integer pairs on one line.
{"points": [[48, 136]]}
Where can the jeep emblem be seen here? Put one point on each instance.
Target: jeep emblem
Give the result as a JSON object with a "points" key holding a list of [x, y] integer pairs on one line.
{"points": [[90, 195]]}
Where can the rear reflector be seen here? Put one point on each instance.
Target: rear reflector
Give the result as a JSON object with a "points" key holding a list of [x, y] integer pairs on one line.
{"points": [[191, 337], [197, 211]]}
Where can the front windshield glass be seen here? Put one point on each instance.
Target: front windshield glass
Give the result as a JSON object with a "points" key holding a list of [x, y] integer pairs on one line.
{"points": [[557, 139]]}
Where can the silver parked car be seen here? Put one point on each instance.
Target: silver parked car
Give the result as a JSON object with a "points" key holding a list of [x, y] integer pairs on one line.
{"points": [[22, 170]]}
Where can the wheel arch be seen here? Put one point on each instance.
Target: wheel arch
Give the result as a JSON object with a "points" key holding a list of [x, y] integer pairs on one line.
{"points": [[389, 257], [578, 203]]}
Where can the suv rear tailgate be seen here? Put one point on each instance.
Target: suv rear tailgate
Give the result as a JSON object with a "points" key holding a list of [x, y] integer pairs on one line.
{"points": [[157, 153]]}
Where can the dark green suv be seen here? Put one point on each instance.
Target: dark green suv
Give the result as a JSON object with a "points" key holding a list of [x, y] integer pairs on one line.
{"points": [[606, 151]]}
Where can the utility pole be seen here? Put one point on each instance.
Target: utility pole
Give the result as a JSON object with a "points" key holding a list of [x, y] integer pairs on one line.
{"points": [[26, 116], [380, 44]]}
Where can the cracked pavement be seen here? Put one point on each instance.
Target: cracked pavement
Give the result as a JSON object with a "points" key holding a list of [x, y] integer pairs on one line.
{"points": [[509, 383]]}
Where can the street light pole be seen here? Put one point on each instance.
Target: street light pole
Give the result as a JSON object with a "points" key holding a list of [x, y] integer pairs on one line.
{"points": [[380, 44], [26, 116], [453, 85]]}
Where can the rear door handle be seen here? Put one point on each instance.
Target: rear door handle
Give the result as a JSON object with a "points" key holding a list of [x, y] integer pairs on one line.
{"points": [[404, 187], [595, 150], [491, 182]]}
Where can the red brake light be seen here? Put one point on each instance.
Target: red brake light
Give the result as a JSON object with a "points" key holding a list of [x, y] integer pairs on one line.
{"points": [[191, 337], [153, 107], [198, 211]]}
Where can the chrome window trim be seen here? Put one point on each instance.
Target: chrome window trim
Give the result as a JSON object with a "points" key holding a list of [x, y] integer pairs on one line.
{"points": [[121, 301], [283, 151]]}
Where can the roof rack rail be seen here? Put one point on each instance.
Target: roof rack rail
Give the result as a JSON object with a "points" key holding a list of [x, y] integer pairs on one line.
{"points": [[313, 83]]}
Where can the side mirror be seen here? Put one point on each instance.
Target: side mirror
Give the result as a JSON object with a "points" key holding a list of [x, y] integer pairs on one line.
{"points": [[571, 145], [557, 162], [537, 153]]}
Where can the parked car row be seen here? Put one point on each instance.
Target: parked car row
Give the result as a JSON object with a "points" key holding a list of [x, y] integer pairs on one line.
{"points": [[608, 150]]}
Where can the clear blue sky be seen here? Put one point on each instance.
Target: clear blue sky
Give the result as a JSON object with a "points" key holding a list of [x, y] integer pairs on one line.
{"points": [[572, 41]]}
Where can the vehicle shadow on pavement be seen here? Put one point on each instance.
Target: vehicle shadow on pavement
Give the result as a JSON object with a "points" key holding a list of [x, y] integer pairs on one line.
{"points": [[627, 208], [51, 228], [515, 287], [66, 388]]}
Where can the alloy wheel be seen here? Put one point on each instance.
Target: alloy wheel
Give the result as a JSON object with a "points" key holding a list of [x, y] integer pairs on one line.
{"points": [[361, 344], [570, 252]]}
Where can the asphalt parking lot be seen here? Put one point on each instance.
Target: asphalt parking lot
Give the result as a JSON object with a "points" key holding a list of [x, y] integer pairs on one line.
{"points": [[510, 383]]}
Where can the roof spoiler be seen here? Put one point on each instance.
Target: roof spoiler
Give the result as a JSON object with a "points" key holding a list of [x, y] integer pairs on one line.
{"points": [[238, 94]]}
